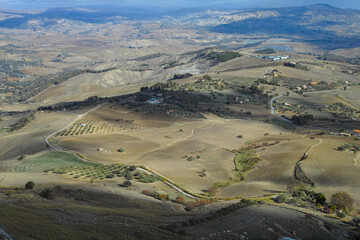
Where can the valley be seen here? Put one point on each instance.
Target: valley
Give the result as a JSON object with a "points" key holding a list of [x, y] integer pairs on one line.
{"points": [[179, 126]]}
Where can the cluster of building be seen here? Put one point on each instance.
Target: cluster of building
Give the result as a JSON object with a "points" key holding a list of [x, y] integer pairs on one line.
{"points": [[305, 87], [355, 133], [276, 57]]}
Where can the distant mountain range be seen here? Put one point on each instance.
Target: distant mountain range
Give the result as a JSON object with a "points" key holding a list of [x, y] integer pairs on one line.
{"points": [[320, 24]]}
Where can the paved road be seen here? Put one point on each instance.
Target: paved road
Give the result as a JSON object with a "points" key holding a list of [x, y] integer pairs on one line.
{"points": [[271, 102], [271, 105]]}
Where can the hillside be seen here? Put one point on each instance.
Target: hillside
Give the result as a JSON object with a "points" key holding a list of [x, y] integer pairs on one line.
{"points": [[202, 123]]}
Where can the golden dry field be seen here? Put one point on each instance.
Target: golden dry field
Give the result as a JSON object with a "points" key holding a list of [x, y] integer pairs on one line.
{"points": [[164, 145]]}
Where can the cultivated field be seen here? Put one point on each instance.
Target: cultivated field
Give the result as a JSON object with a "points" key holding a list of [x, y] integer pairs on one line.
{"points": [[51, 160], [178, 151], [332, 170], [30, 139], [275, 171]]}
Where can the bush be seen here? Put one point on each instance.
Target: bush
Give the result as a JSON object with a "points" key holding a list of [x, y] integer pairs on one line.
{"points": [[132, 168], [342, 200], [340, 214], [239, 136], [303, 204], [356, 220], [147, 192], [47, 193], [129, 176], [29, 185], [22, 157], [320, 198], [121, 150], [212, 191], [180, 200], [162, 197], [127, 184], [149, 178], [296, 187], [332, 208], [282, 198]]}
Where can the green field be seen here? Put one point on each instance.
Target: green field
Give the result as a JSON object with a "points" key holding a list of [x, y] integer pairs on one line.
{"points": [[244, 162], [50, 160]]}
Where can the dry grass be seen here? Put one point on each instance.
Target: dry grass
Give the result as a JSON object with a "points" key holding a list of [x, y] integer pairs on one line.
{"points": [[30, 139], [163, 147]]}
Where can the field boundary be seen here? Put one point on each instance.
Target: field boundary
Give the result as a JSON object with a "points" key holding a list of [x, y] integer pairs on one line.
{"points": [[298, 172]]}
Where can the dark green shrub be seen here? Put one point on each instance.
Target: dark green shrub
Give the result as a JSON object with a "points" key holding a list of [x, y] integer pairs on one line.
{"points": [[340, 214], [47, 193], [320, 198], [332, 208], [356, 220], [29, 185], [129, 176], [127, 184], [282, 198], [132, 168]]}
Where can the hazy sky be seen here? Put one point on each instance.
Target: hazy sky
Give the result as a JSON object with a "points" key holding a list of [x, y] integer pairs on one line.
{"points": [[173, 4]]}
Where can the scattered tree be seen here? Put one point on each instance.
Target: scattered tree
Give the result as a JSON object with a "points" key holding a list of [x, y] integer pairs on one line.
{"points": [[340, 214], [29, 185], [320, 198], [180, 200], [132, 168], [212, 191], [282, 198], [48, 194], [129, 176], [127, 184], [342, 200]]}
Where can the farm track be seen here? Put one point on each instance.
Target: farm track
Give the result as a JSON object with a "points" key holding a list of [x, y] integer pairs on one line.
{"points": [[152, 152], [356, 159], [298, 172], [55, 148]]}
